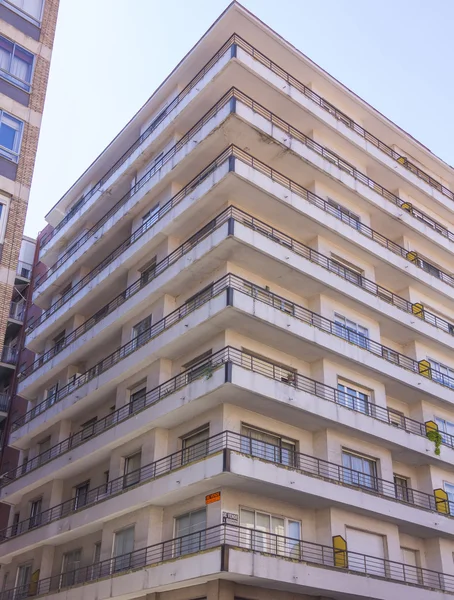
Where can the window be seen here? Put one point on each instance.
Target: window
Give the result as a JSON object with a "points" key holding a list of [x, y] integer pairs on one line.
{"points": [[44, 450], [35, 513], [351, 331], [401, 488], [69, 567], [14, 526], [412, 570], [147, 271], [268, 446], [441, 373], [137, 398], [95, 569], [260, 364], [24, 573], [16, 64], [29, 8], [198, 299], [353, 397], [198, 366], [3, 215], [10, 136], [81, 495], [123, 546], [449, 489], [280, 528], [342, 213], [140, 331], [88, 428], [346, 270], [150, 217], [396, 418], [359, 470], [190, 531], [372, 545], [66, 290], [195, 445], [446, 428], [51, 395], [264, 295], [59, 342], [132, 469]]}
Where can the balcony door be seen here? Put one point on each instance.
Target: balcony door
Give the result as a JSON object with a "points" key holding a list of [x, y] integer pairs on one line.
{"points": [[190, 532]]}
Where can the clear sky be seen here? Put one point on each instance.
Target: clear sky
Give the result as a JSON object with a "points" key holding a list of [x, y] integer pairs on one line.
{"points": [[110, 55]]}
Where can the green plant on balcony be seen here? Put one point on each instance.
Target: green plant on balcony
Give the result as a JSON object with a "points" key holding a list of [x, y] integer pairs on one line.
{"points": [[435, 436]]}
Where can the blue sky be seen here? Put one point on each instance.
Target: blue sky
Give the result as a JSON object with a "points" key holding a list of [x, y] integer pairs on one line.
{"points": [[110, 55]]}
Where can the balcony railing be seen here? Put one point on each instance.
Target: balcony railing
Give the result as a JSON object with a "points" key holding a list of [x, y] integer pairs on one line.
{"points": [[155, 123], [231, 441], [232, 43], [226, 356], [307, 141], [4, 404], [238, 154], [245, 539], [17, 311], [248, 288], [9, 355], [24, 269]]}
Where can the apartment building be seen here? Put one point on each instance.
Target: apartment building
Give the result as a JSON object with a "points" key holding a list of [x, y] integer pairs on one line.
{"points": [[27, 29], [243, 381]]}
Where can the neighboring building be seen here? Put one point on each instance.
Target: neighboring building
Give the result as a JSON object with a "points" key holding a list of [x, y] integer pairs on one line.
{"points": [[243, 385], [27, 29]]}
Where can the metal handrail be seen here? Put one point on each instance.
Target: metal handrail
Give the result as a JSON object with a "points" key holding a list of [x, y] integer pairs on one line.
{"points": [[245, 539], [241, 359], [299, 312], [4, 402], [275, 175], [154, 124], [235, 442], [157, 166], [236, 40], [307, 141]]}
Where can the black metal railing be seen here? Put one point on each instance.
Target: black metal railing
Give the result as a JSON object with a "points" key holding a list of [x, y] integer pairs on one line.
{"points": [[307, 141], [229, 440], [237, 41], [227, 355], [4, 402], [152, 127], [245, 539], [157, 166], [238, 154], [246, 287]]}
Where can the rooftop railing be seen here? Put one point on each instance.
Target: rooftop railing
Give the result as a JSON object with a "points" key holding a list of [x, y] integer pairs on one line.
{"points": [[230, 45], [206, 368], [228, 440], [245, 539]]}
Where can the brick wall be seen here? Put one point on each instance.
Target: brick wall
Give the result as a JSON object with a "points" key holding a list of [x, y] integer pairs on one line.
{"points": [[40, 77], [49, 22]]}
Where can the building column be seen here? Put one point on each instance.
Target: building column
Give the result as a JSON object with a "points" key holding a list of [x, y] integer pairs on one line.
{"points": [[220, 590], [47, 561]]}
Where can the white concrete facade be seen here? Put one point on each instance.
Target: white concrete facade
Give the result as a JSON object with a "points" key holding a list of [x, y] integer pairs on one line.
{"points": [[244, 379]]}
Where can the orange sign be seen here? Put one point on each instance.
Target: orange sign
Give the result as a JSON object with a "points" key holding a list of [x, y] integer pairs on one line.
{"points": [[213, 498]]}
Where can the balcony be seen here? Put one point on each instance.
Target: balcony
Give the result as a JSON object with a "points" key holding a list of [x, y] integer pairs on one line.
{"points": [[250, 110], [4, 406], [23, 272], [248, 53], [9, 355], [228, 358], [242, 164], [267, 547], [230, 443], [17, 311]]}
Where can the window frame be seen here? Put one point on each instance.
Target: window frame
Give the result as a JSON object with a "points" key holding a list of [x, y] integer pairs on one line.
{"points": [[354, 476], [12, 155], [22, 84], [12, 6]]}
